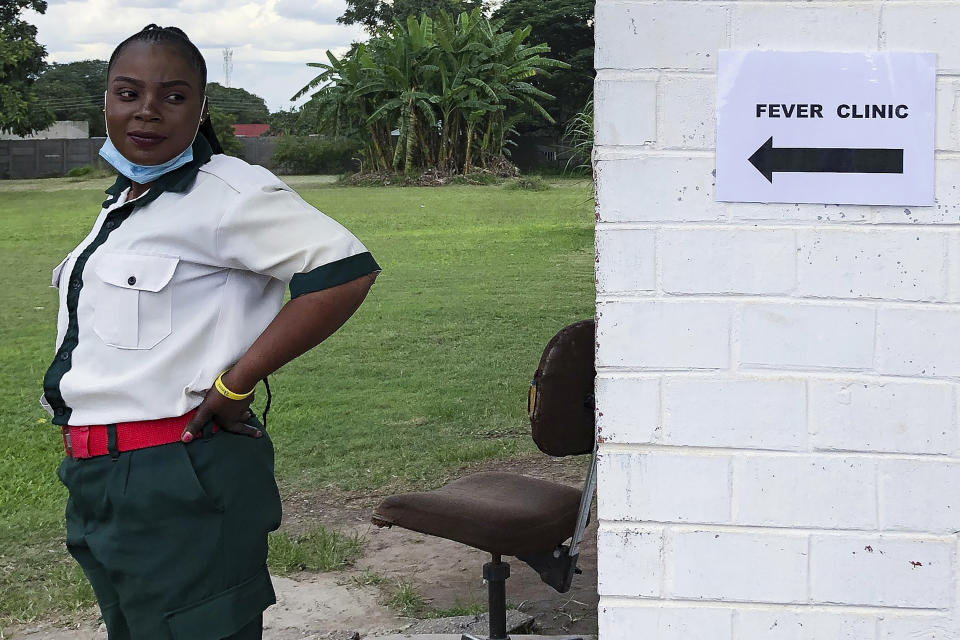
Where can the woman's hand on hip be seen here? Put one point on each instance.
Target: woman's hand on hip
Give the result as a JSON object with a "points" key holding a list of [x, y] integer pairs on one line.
{"points": [[228, 415]]}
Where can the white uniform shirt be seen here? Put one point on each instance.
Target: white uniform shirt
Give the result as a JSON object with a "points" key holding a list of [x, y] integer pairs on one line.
{"points": [[171, 288]]}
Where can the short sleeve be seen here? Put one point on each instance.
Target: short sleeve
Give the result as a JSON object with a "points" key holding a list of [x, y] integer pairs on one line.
{"points": [[275, 232]]}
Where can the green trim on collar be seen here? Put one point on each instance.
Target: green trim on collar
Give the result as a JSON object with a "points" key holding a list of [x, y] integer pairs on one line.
{"points": [[178, 180], [332, 274]]}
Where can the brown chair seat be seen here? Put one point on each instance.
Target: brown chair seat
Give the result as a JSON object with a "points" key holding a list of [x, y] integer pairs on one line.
{"points": [[502, 513]]}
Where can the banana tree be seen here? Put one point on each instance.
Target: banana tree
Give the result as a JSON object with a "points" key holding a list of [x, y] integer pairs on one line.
{"points": [[452, 88]]}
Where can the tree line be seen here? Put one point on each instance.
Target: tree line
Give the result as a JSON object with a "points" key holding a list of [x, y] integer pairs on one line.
{"points": [[444, 83]]}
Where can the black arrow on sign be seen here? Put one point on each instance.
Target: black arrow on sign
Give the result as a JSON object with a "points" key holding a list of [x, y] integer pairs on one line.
{"points": [[768, 160]]}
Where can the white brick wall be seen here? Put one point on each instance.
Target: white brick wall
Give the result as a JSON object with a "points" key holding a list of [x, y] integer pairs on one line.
{"points": [[665, 487], [905, 417], [778, 385], [688, 623], [739, 414], [778, 624], [736, 566], [880, 571], [725, 261]]}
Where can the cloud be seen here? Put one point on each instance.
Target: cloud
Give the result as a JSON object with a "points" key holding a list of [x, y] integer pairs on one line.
{"points": [[151, 4], [272, 40], [316, 11]]}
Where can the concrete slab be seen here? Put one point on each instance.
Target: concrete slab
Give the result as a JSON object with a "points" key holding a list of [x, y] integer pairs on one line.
{"points": [[478, 625]]}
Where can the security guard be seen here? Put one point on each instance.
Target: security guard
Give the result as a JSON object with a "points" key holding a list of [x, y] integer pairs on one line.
{"points": [[170, 312]]}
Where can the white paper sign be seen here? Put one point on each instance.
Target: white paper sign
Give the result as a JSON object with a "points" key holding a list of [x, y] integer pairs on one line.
{"points": [[833, 128]]}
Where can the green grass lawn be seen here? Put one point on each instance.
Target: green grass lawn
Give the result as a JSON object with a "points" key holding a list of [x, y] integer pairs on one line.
{"points": [[430, 375]]}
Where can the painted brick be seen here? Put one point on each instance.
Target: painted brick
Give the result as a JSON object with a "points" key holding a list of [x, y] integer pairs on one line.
{"points": [[630, 409], [664, 335], [753, 567], [815, 213], [783, 624], [806, 336], [948, 96], [893, 264], [664, 487], [946, 209], [878, 571], [923, 26], [657, 188], [689, 112], [661, 177], [777, 25], [893, 417], [900, 627], [678, 35], [749, 414], [918, 341], [808, 491], [920, 495], [953, 271], [675, 623], [625, 111], [728, 261], [629, 260], [632, 565]]}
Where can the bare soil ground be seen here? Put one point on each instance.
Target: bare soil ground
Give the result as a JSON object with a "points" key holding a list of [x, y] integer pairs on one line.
{"points": [[447, 574]]}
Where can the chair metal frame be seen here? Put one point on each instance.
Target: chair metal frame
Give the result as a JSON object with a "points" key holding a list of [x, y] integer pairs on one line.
{"points": [[555, 568]]}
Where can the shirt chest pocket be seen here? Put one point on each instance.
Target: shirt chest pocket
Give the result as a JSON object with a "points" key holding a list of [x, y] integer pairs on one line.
{"points": [[133, 299]]}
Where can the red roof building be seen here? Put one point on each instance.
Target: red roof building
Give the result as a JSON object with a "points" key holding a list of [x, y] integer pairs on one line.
{"points": [[250, 130]]}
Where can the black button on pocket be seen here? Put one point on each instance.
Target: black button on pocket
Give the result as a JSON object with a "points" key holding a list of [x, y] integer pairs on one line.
{"points": [[60, 411], [132, 280], [75, 284], [65, 355], [110, 224]]}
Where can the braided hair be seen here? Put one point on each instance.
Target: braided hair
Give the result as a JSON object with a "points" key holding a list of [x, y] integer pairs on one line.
{"points": [[178, 39]]}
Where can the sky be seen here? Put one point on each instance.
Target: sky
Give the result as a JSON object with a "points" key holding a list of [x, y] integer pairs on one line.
{"points": [[272, 40]]}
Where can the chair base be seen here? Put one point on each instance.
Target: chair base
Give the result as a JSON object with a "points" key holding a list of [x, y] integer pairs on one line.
{"points": [[468, 636], [495, 574]]}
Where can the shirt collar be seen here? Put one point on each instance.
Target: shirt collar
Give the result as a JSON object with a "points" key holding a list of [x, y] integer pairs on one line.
{"points": [[178, 180]]}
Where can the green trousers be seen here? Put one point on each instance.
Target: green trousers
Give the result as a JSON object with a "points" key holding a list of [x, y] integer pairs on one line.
{"points": [[174, 538]]}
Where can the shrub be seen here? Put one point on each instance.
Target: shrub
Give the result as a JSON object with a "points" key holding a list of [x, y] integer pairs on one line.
{"points": [[90, 172], [476, 178], [311, 155], [78, 172], [223, 126], [579, 135], [529, 183]]}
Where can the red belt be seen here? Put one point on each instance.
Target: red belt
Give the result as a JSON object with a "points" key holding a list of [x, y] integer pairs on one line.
{"points": [[92, 440]]}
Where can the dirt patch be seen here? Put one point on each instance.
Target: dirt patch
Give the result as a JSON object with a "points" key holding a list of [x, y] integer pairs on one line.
{"points": [[445, 573]]}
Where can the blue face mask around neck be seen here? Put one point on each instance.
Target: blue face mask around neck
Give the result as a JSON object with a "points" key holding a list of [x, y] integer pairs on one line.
{"points": [[141, 173]]}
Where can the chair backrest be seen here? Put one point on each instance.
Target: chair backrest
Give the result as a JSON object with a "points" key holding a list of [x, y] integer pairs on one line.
{"points": [[561, 402]]}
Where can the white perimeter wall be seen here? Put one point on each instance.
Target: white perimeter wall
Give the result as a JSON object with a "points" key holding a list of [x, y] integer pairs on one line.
{"points": [[778, 384]]}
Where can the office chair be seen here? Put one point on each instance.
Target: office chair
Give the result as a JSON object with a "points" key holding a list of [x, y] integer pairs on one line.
{"points": [[539, 522]]}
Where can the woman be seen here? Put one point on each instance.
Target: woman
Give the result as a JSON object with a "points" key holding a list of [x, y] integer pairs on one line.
{"points": [[170, 312]]}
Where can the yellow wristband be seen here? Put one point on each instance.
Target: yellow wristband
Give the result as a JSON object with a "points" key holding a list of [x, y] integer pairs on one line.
{"points": [[222, 388]]}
